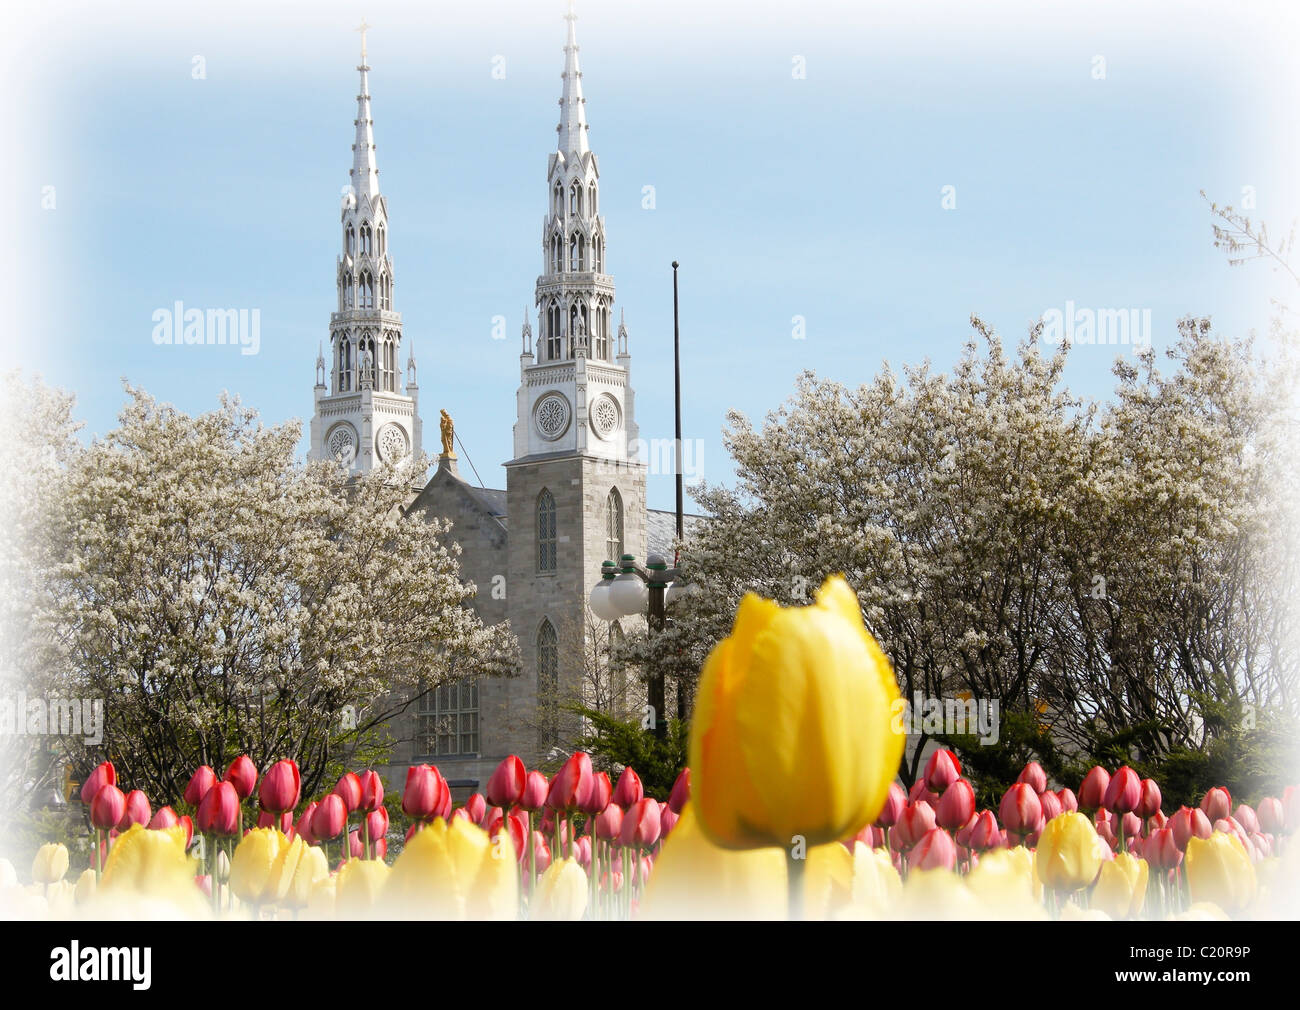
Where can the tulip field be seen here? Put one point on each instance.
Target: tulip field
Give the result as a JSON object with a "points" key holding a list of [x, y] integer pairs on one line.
{"points": [[789, 809]]}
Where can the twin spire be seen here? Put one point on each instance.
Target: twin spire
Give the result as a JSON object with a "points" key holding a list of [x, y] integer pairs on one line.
{"points": [[365, 174]]}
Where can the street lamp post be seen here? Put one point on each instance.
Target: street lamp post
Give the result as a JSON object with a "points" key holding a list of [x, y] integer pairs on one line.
{"points": [[627, 589]]}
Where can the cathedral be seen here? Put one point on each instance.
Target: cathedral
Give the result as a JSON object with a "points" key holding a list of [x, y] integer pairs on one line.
{"points": [[575, 490]]}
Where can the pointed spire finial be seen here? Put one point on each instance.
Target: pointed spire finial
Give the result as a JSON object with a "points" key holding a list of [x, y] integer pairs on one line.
{"points": [[365, 172], [573, 107]]}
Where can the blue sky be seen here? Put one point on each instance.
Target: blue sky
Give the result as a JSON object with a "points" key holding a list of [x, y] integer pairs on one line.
{"points": [[782, 197]]}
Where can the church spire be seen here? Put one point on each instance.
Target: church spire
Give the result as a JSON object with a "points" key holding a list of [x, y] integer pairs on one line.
{"points": [[365, 174], [573, 107], [363, 416]]}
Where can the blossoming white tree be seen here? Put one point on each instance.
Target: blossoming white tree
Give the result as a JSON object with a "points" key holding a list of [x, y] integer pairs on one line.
{"points": [[225, 599]]}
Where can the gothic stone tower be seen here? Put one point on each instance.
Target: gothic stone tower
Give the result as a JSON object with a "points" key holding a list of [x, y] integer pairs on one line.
{"points": [[574, 492], [363, 417]]}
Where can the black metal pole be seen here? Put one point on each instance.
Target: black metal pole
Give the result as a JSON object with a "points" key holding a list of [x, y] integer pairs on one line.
{"points": [[657, 694], [677, 400]]}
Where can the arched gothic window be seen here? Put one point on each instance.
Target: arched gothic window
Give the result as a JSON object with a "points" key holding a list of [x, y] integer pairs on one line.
{"points": [[553, 348], [351, 241], [614, 525], [546, 532], [548, 685]]}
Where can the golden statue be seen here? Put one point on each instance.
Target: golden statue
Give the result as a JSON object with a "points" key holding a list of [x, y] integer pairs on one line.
{"points": [[448, 434]]}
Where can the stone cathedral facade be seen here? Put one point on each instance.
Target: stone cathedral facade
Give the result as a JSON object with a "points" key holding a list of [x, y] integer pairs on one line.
{"points": [[575, 494]]}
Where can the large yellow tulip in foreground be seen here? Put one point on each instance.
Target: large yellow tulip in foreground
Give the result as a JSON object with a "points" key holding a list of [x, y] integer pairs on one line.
{"points": [[792, 733]]}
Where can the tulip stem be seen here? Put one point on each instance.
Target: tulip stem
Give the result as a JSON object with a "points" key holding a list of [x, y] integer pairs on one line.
{"points": [[794, 867]]}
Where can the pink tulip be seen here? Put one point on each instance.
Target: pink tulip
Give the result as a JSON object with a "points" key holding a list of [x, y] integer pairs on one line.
{"points": [[934, 851], [583, 852], [1217, 804], [1123, 792], [1132, 824], [1162, 850], [137, 810], [667, 820], [107, 807], [372, 791], [242, 774], [895, 801], [1271, 817], [1188, 823], [1069, 802], [1158, 820], [425, 791], [640, 828], [571, 786], [629, 789], [203, 779], [103, 775], [609, 822], [303, 827], [1033, 775], [219, 810], [379, 848], [1092, 792], [917, 820], [535, 789], [330, 818], [681, 791], [349, 790], [281, 787], [599, 796], [611, 882], [187, 823], [941, 771], [516, 825], [377, 823], [542, 859], [354, 844], [985, 833], [1051, 804], [1247, 819], [506, 786], [164, 818], [957, 805], [1149, 803], [476, 807], [1020, 810]]}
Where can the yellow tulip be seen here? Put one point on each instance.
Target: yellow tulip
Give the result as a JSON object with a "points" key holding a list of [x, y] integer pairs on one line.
{"points": [[149, 869], [1069, 852], [454, 871], [828, 881], [297, 869], [793, 732], [50, 864], [1122, 887], [255, 857], [561, 893], [938, 894], [1004, 883], [86, 886], [876, 885], [359, 885], [1219, 871], [695, 879], [320, 904]]}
